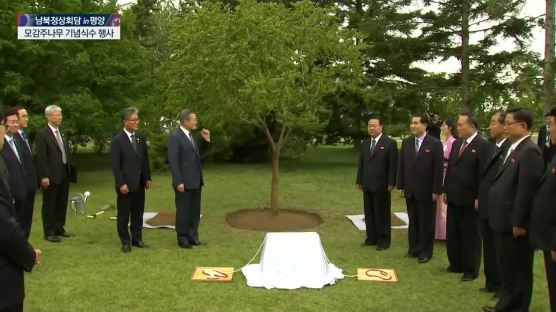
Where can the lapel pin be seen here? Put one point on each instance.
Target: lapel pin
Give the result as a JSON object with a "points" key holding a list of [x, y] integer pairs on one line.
{"points": [[512, 160], [473, 151], [382, 147], [427, 150]]}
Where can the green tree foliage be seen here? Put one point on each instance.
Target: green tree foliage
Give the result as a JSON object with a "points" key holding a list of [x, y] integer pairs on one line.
{"points": [[262, 64]]}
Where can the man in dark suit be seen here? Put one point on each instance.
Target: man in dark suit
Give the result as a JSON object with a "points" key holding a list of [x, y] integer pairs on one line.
{"points": [[55, 171], [461, 187], [543, 140], [376, 177], [132, 174], [15, 161], [509, 202], [543, 217], [184, 158], [498, 148], [420, 182], [433, 128], [29, 168], [16, 254]]}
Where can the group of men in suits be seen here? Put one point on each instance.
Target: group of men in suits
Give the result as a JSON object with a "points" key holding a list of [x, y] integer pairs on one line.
{"points": [[498, 205], [16, 254], [130, 166], [53, 170]]}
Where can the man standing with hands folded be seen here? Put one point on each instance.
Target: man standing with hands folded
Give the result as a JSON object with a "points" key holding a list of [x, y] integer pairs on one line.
{"points": [[132, 174]]}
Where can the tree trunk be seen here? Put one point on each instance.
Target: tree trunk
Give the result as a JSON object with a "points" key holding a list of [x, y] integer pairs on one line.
{"points": [[465, 93], [548, 75], [274, 203]]}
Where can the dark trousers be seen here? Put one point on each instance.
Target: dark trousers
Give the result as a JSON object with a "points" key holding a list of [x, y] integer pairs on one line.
{"points": [[15, 308], [550, 266], [490, 264], [422, 221], [377, 218], [515, 256], [24, 212], [463, 239], [188, 213], [131, 207], [54, 207]]}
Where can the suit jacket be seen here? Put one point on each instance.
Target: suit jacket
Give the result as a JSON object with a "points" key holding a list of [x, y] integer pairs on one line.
{"points": [[378, 170], [513, 188], [489, 171], [420, 175], [461, 183], [16, 256], [129, 167], [541, 140], [543, 216], [29, 169], [16, 179], [185, 160], [49, 156]]}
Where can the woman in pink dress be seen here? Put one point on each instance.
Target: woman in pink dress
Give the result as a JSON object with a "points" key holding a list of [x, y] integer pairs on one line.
{"points": [[449, 133]]}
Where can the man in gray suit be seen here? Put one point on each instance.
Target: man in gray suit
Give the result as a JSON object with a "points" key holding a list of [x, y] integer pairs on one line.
{"points": [[184, 158]]}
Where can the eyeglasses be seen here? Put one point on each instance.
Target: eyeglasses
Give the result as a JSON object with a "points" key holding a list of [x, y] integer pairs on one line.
{"points": [[136, 119], [511, 123]]}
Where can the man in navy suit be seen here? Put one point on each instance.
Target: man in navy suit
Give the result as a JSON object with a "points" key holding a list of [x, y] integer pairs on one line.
{"points": [[498, 148], [56, 171], [184, 157], [461, 187], [29, 168], [510, 201], [420, 182], [16, 163], [132, 175], [543, 217], [376, 177]]}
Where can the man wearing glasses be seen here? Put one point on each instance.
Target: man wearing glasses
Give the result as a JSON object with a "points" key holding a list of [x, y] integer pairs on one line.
{"points": [[132, 174], [510, 201]]}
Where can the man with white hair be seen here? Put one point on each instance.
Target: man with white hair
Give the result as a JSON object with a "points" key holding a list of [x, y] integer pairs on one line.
{"points": [[55, 172]]}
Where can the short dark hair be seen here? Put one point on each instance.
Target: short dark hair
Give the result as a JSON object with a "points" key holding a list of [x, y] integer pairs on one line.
{"points": [[128, 111], [522, 114], [377, 117], [10, 111], [551, 113], [423, 117], [471, 118], [185, 114], [452, 125], [18, 108], [501, 116]]}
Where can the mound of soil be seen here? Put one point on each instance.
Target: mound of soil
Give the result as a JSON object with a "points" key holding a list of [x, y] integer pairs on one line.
{"points": [[266, 220]]}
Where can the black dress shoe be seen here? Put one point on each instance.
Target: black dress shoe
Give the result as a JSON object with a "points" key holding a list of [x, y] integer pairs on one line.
{"points": [[452, 270], [488, 309], [53, 239], [486, 290], [126, 248], [140, 244], [197, 243], [424, 259], [468, 278], [66, 234], [382, 247], [185, 246]]}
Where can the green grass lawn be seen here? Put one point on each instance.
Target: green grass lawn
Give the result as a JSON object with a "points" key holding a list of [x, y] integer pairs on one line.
{"points": [[90, 273]]}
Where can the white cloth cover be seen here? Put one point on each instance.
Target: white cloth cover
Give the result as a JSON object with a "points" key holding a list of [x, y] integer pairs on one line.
{"points": [[291, 261]]}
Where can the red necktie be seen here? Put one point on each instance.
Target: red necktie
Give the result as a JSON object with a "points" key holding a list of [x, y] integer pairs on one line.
{"points": [[462, 149]]}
